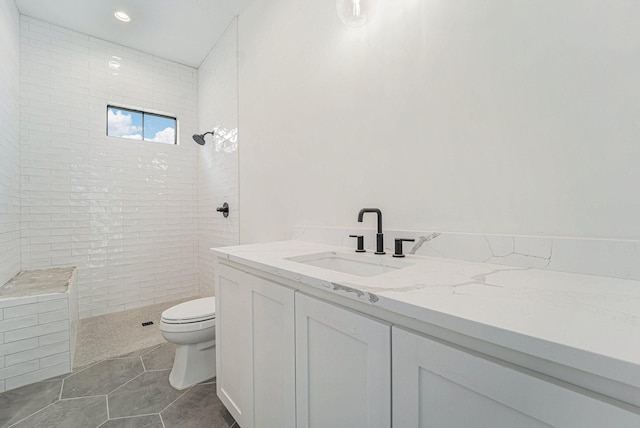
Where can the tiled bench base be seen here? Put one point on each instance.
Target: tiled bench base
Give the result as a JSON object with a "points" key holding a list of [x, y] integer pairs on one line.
{"points": [[38, 328]]}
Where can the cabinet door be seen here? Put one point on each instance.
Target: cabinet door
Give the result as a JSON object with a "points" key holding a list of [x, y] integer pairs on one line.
{"points": [[233, 344], [436, 385], [273, 354], [255, 349], [342, 367]]}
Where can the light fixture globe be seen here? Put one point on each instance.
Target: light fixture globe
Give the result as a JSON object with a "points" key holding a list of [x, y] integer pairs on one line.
{"points": [[356, 13]]}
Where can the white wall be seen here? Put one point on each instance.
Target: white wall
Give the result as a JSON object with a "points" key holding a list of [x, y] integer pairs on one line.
{"points": [[9, 138], [218, 160], [124, 212], [515, 117]]}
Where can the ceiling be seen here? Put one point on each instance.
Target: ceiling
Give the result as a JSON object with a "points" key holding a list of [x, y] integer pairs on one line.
{"points": [[183, 31]]}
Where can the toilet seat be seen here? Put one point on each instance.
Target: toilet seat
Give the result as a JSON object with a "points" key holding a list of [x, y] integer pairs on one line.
{"points": [[190, 327], [194, 311]]}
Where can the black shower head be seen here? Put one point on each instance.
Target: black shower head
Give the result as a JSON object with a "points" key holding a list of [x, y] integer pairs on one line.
{"points": [[198, 138]]}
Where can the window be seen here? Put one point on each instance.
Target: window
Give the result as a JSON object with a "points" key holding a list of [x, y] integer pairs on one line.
{"points": [[140, 125]]}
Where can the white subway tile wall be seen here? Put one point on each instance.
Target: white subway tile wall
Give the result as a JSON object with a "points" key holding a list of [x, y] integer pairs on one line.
{"points": [[124, 212], [9, 142], [218, 166]]}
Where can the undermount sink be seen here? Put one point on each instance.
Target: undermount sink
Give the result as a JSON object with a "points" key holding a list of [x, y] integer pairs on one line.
{"points": [[354, 264]]}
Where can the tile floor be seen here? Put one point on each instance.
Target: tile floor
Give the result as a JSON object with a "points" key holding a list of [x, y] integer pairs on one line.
{"points": [[131, 391]]}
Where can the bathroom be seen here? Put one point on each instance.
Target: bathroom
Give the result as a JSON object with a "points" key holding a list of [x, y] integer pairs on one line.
{"points": [[470, 118]]}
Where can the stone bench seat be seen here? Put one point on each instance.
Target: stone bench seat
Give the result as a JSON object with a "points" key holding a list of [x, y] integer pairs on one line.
{"points": [[38, 326]]}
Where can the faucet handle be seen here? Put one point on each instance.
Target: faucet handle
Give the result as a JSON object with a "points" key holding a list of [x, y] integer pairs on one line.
{"points": [[360, 238], [398, 251]]}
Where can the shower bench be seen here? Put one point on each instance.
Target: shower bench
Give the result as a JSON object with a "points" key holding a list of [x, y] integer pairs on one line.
{"points": [[38, 326]]}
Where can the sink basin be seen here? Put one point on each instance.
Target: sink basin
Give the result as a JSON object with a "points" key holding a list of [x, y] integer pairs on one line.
{"points": [[354, 264]]}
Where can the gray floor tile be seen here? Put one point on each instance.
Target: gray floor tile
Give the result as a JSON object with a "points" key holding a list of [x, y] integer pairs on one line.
{"points": [[148, 421], [148, 393], [102, 378], [22, 402], [198, 408], [84, 412], [66, 375], [160, 358]]}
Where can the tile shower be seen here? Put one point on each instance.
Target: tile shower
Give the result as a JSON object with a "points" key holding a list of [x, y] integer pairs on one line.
{"points": [[123, 212], [132, 216]]}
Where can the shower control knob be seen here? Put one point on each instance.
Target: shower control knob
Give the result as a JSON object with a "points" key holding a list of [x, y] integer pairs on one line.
{"points": [[224, 209]]}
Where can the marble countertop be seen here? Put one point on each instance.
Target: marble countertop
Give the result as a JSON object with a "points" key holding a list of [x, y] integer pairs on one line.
{"points": [[588, 322]]}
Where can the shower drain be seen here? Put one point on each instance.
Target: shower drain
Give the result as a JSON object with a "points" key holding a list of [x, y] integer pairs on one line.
{"points": [[144, 324]]}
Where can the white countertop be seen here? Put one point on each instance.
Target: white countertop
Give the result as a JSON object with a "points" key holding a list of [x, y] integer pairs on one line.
{"points": [[587, 322]]}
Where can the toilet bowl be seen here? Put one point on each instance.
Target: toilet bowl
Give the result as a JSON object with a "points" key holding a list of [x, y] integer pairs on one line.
{"points": [[191, 326]]}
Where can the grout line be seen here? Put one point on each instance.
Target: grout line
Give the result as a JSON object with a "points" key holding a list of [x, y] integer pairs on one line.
{"points": [[154, 348], [130, 380], [61, 389], [85, 368], [27, 417], [181, 395], [162, 420], [84, 396], [133, 416], [107, 398], [121, 358], [138, 375], [143, 366]]}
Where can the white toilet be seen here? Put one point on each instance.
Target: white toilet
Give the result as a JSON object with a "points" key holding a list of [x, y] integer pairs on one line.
{"points": [[191, 326]]}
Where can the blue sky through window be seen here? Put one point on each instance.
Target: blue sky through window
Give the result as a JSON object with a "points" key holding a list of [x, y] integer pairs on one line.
{"points": [[124, 123], [159, 128], [130, 124]]}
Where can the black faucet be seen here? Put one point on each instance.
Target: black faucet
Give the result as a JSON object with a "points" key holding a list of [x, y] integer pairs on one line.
{"points": [[379, 236]]}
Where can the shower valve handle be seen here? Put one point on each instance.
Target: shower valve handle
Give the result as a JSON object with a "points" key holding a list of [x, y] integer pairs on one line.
{"points": [[224, 209]]}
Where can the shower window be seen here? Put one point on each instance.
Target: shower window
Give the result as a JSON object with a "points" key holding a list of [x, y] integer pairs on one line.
{"points": [[141, 125]]}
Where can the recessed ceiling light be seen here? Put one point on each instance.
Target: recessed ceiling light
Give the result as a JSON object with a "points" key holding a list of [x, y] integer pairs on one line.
{"points": [[122, 16]]}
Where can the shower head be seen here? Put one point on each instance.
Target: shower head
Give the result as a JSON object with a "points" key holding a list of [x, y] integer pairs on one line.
{"points": [[199, 138]]}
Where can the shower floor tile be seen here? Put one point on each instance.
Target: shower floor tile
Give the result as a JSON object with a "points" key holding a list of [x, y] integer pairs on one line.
{"points": [[120, 333]]}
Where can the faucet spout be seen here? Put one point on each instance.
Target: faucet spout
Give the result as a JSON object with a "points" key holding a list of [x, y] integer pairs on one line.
{"points": [[379, 235], [371, 210]]}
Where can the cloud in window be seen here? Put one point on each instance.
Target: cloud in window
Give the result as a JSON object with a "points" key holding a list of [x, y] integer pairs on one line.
{"points": [[167, 135], [121, 125]]}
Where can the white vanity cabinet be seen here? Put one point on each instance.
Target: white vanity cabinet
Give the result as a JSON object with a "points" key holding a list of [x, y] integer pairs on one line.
{"points": [[335, 372], [255, 361], [286, 357], [438, 385], [343, 367]]}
